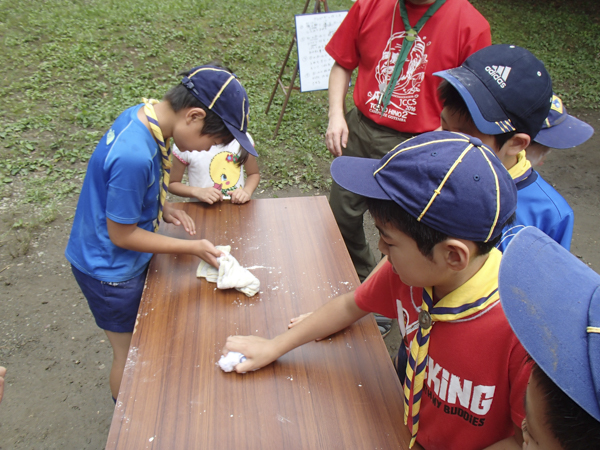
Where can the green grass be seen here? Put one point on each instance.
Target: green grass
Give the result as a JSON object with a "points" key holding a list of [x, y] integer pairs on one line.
{"points": [[563, 34], [70, 67]]}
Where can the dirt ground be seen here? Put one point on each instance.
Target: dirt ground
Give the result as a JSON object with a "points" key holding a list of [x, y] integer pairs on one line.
{"points": [[57, 394]]}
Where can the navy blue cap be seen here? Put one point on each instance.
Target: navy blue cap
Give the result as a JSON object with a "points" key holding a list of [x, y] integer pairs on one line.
{"points": [[561, 130], [449, 181], [505, 87], [223, 94], [552, 302]]}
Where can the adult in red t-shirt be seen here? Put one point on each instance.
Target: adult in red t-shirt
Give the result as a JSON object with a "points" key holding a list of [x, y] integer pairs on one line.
{"points": [[477, 370], [370, 38]]}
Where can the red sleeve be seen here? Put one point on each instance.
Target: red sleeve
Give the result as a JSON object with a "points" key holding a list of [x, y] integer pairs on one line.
{"points": [[181, 156], [378, 294], [177, 155], [519, 369], [343, 45], [476, 34]]}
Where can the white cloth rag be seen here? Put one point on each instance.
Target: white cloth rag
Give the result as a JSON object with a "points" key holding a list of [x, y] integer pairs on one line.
{"points": [[230, 274], [228, 362]]}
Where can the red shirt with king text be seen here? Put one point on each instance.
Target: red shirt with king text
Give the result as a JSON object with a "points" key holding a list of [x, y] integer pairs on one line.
{"points": [[477, 371]]}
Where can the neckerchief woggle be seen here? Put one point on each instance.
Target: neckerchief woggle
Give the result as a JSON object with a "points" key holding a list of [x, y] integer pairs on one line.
{"points": [[407, 43]]}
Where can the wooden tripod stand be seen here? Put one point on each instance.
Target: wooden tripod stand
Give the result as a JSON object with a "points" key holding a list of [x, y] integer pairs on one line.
{"points": [[288, 90]]}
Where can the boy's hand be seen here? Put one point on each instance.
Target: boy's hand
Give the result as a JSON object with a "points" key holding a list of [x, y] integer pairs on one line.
{"points": [[296, 320], [240, 196], [208, 195], [179, 217], [2, 374], [207, 251], [258, 351]]}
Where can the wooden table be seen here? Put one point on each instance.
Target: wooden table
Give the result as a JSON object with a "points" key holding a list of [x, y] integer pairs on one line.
{"points": [[340, 393]]}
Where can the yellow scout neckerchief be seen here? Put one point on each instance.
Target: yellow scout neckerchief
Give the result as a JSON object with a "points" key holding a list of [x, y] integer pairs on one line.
{"points": [[522, 169], [450, 308], [165, 151]]}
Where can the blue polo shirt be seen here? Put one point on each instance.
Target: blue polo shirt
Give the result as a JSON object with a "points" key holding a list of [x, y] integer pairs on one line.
{"points": [[538, 205], [122, 183]]}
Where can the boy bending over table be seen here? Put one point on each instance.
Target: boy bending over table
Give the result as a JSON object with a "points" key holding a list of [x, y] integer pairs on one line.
{"points": [[440, 202]]}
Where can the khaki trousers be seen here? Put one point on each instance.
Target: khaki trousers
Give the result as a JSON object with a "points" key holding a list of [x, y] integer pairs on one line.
{"points": [[366, 139]]}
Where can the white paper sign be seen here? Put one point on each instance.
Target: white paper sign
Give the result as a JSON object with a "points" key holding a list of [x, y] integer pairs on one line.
{"points": [[313, 32]]}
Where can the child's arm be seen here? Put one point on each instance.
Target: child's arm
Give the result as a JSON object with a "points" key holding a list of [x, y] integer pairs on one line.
{"points": [[296, 320], [132, 237], [2, 375], [339, 313], [208, 195], [252, 179]]}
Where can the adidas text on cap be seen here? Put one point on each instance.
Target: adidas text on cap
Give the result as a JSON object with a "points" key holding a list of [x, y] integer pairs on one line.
{"points": [[561, 130], [451, 182], [223, 94], [505, 87]]}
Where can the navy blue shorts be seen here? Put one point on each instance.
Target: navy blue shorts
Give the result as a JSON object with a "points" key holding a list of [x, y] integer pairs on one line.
{"points": [[114, 305]]}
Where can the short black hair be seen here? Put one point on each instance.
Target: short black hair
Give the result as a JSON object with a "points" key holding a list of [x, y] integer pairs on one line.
{"points": [[570, 424], [387, 211], [452, 100], [180, 97]]}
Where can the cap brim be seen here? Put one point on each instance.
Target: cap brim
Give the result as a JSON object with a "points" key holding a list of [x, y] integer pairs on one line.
{"points": [[477, 98], [547, 295], [571, 132], [356, 175], [242, 138]]}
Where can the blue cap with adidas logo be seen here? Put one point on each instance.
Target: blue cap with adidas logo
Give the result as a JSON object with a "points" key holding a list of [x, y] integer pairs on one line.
{"points": [[505, 87]]}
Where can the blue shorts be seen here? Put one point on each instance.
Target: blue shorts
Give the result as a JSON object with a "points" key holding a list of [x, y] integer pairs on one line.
{"points": [[114, 305]]}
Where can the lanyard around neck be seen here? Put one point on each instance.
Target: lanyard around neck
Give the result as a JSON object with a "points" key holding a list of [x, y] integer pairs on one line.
{"points": [[407, 43]]}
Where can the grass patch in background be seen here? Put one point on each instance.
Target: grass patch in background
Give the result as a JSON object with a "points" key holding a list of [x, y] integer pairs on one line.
{"points": [[565, 35], [69, 68]]}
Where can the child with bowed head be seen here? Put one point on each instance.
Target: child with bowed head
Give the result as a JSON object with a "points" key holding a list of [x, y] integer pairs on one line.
{"points": [[123, 198]]}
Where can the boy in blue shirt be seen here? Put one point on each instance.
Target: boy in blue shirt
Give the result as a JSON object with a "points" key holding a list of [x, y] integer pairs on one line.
{"points": [[554, 309], [123, 196], [501, 94], [560, 130]]}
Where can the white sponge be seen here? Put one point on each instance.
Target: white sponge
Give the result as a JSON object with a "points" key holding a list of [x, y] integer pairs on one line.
{"points": [[230, 360]]}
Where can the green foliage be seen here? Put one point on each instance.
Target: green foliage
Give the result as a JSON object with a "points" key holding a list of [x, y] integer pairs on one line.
{"points": [[565, 35], [71, 67]]}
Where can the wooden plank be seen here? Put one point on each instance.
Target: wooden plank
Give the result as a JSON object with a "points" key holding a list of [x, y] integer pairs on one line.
{"points": [[339, 393]]}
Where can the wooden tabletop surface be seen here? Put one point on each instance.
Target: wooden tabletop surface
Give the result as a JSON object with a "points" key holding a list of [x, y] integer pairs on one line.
{"points": [[340, 393]]}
